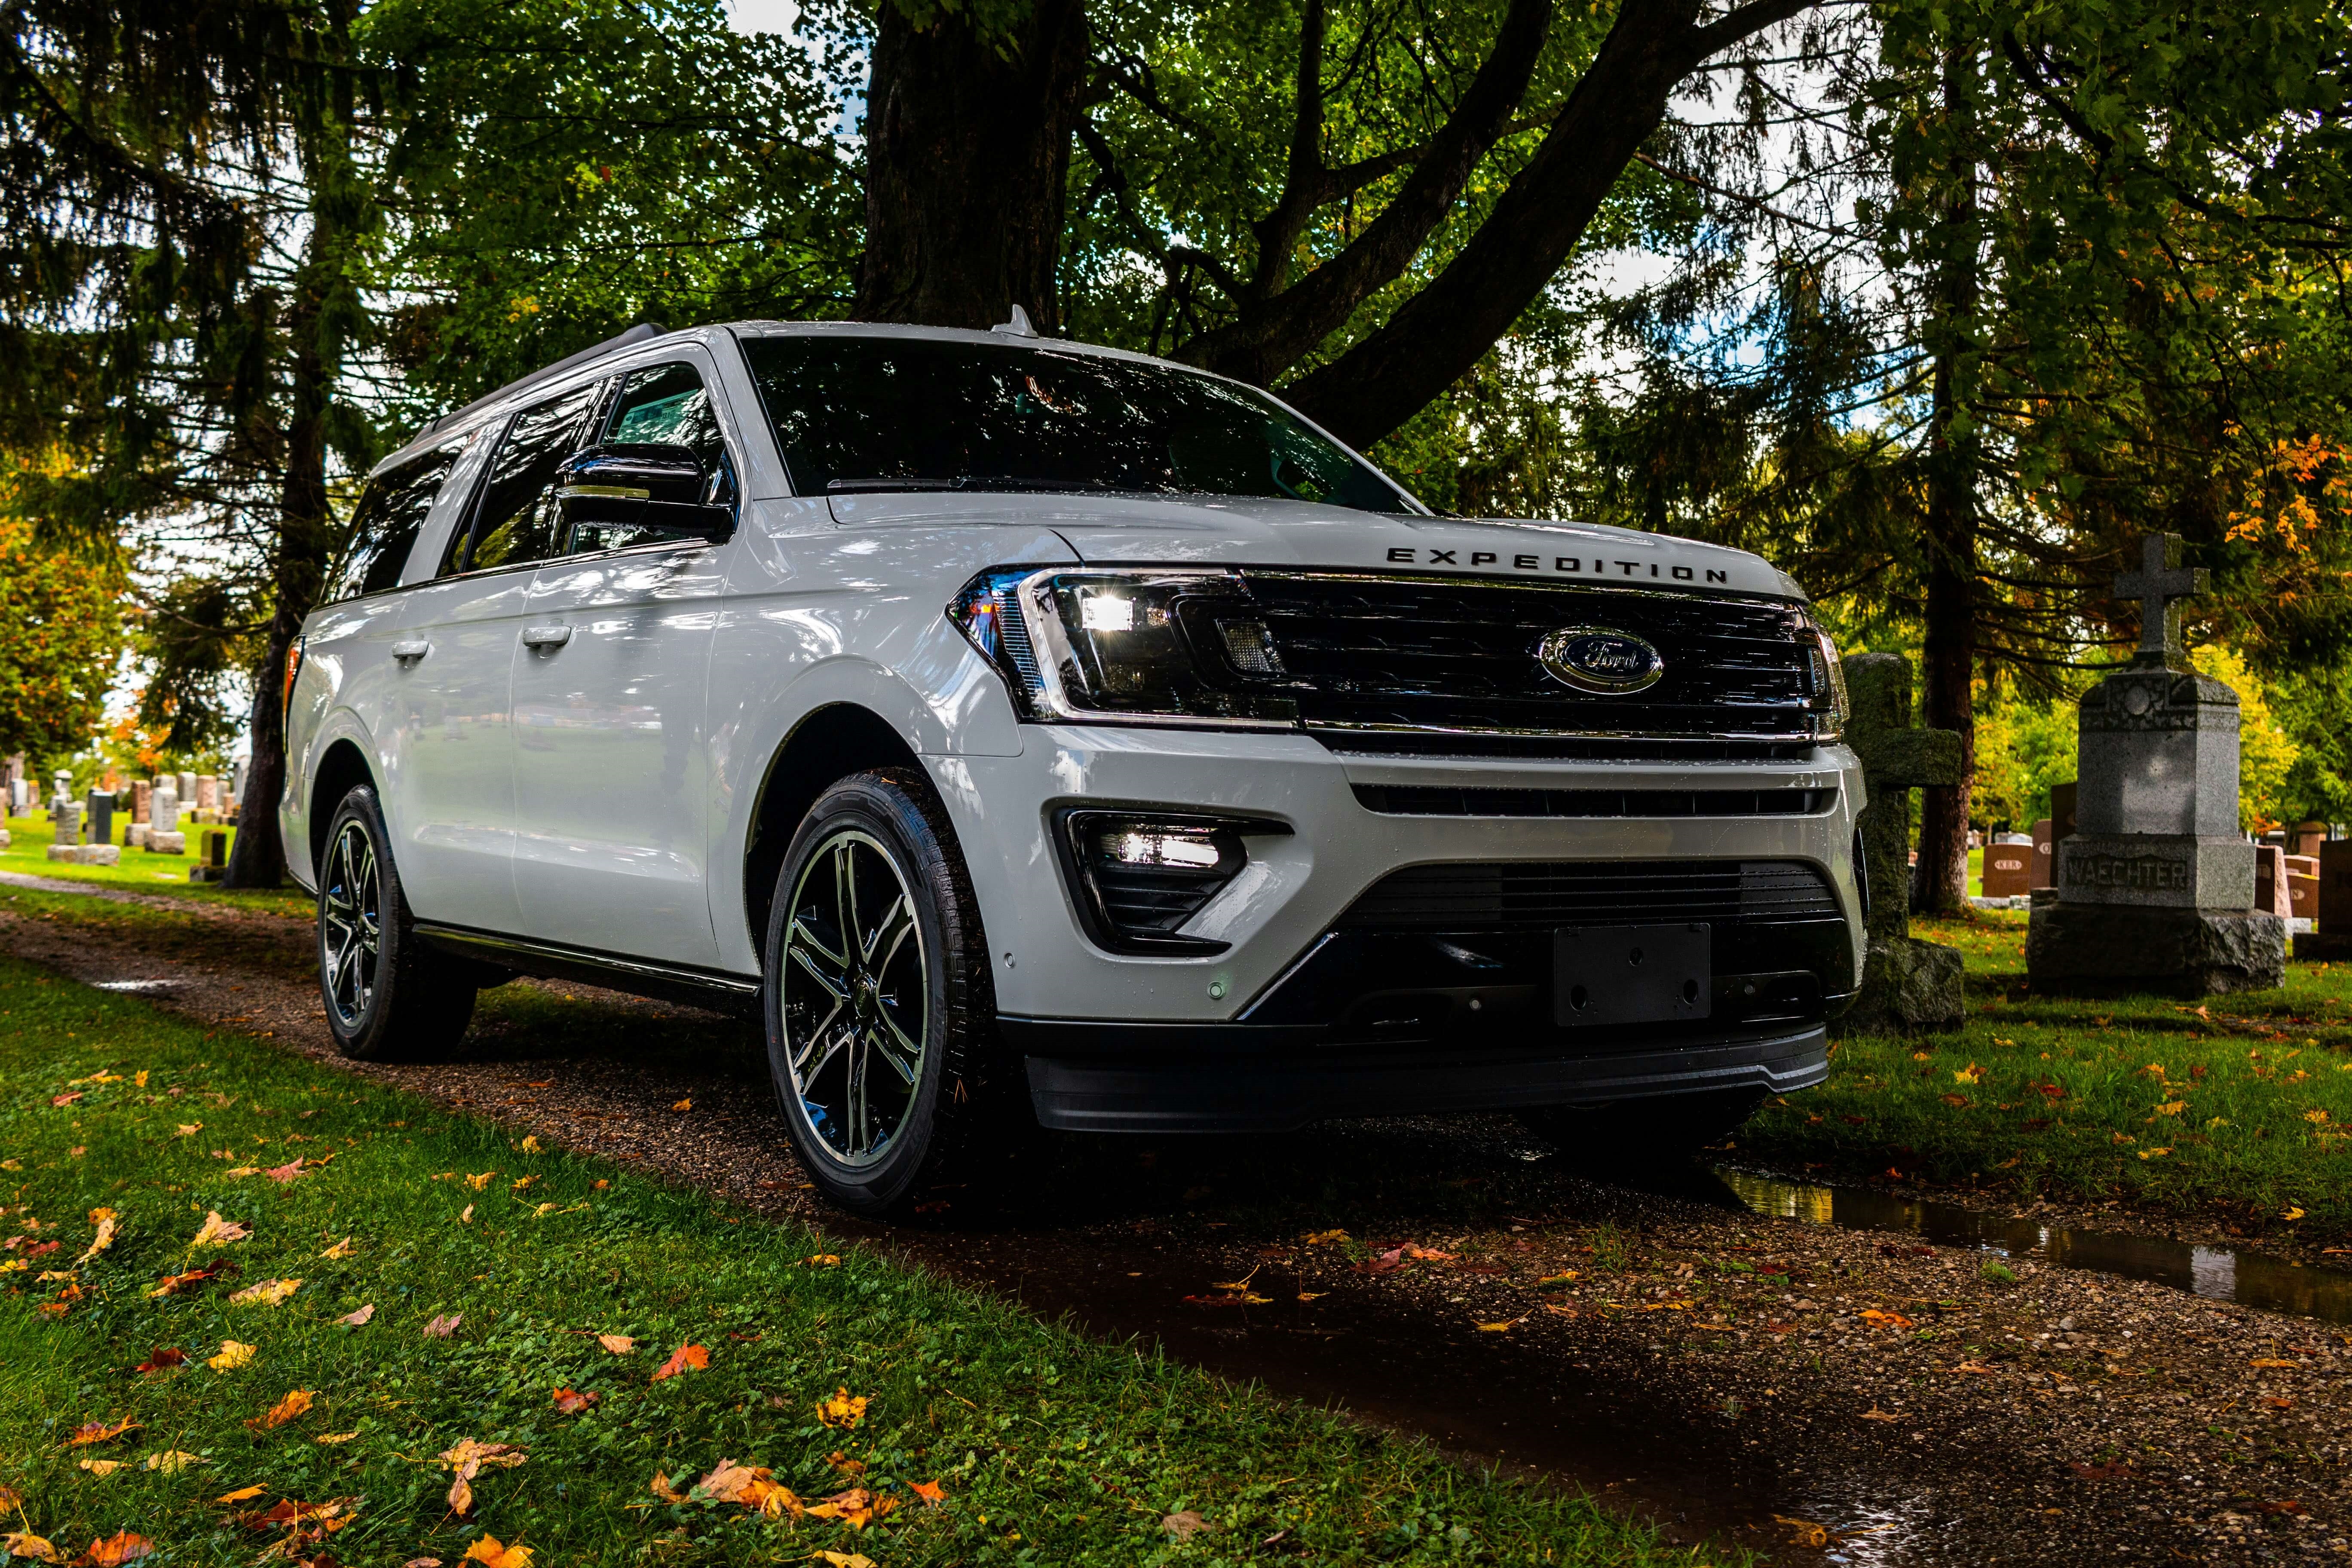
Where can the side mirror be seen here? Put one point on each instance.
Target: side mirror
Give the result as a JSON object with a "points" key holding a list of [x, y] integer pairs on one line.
{"points": [[631, 491]]}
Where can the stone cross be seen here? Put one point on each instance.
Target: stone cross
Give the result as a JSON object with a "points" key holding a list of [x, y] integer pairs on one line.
{"points": [[2159, 585], [1907, 983]]}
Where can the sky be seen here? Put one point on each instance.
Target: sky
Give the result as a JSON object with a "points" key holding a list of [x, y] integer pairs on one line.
{"points": [[763, 15]]}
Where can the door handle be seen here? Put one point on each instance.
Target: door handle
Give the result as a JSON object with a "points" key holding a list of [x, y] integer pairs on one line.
{"points": [[407, 652], [546, 637]]}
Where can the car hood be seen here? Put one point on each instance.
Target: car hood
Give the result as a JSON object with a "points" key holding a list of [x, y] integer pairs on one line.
{"points": [[1243, 531]]}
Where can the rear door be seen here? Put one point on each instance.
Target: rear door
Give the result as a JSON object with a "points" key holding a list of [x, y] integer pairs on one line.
{"points": [[612, 761], [452, 809]]}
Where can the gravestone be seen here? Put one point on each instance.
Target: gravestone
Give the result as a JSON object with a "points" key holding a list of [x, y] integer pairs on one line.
{"points": [[2333, 899], [207, 792], [1907, 983], [2044, 867], [2008, 867], [2155, 886], [143, 799], [214, 865], [2269, 880], [164, 834], [2305, 838], [101, 816], [2301, 887], [2062, 817], [187, 787], [67, 815]]}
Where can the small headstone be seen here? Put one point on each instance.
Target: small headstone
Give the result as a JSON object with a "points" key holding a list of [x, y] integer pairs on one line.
{"points": [[67, 815], [2156, 885], [1907, 983], [20, 796], [135, 836], [2305, 838], [187, 786], [143, 799], [2302, 886], [164, 809], [2008, 870], [216, 859], [2045, 865], [101, 816], [2333, 940], [159, 843], [207, 792], [2269, 880], [2061, 814]]}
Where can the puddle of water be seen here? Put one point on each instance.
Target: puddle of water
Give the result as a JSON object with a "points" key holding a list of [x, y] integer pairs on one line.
{"points": [[135, 985], [2223, 1273]]}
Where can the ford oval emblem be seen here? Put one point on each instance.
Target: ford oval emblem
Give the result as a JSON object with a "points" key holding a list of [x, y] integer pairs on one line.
{"points": [[1600, 659]]}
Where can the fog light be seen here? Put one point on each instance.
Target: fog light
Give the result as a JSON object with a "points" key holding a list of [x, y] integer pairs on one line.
{"points": [[1139, 879]]}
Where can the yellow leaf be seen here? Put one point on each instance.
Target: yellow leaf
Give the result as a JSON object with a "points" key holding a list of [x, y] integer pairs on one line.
{"points": [[531, 1144], [340, 1249], [139, 1079], [1318, 1238], [25, 1543], [101, 1467], [841, 1559], [842, 1410], [823, 1260], [543, 1210], [2292, 1214], [268, 1292], [1502, 1327], [2154, 1153], [661, 1488], [479, 1182], [172, 1461], [242, 1494], [190, 1129], [619, 1345], [332, 1437], [683, 1105], [219, 1232], [104, 1220], [491, 1554], [284, 1410], [520, 1183], [467, 1217]]}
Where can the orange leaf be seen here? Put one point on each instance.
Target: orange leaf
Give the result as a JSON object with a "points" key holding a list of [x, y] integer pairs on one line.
{"points": [[163, 1359], [116, 1549], [242, 1494], [284, 1410], [619, 1345], [686, 1358], [491, 1554], [930, 1493], [842, 1410], [90, 1432], [570, 1402]]}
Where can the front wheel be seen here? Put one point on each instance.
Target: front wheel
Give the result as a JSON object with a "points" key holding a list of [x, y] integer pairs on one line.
{"points": [[388, 996], [879, 1006]]}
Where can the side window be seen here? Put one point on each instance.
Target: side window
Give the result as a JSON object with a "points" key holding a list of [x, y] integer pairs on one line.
{"points": [[384, 525], [517, 520], [667, 403]]}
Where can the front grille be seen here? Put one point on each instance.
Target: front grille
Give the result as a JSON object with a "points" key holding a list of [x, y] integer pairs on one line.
{"points": [[1523, 894], [1420, 800], [1369, 655]]}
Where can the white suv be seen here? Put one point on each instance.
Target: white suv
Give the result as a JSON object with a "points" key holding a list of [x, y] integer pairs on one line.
{"points": [[1026, 728]]}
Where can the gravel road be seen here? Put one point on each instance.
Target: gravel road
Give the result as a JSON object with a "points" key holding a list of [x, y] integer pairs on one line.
{"points": [[1814, 1394]]}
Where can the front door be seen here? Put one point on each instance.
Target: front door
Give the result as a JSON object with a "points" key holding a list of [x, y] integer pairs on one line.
{"points": [[452, 810], [611, 755]]}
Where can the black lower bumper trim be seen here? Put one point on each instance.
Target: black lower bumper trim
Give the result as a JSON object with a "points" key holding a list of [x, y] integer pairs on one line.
{"points": [[1145, 1078]]}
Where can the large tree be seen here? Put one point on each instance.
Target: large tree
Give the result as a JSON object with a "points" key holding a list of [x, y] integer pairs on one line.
{"points": [[1393, 127]]}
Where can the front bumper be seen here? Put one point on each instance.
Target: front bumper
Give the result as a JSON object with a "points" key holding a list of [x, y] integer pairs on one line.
{"points": [[1164, 1078], [1313, 1011]]}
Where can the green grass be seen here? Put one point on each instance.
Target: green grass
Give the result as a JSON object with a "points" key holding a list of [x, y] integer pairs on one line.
{"points": [[27, 852], [1049, 1448], [2237, 1107]]}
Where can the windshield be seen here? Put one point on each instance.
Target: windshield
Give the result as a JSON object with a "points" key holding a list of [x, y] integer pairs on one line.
{"points": [[900, 414]]}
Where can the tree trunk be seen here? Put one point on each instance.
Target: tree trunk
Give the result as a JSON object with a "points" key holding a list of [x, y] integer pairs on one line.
{"points": [[314, 332], [1941, 883], [967, 157]]}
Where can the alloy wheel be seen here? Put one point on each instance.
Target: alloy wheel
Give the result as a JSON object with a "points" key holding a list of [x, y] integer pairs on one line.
{"points": [[351, 934], [855, 997]]}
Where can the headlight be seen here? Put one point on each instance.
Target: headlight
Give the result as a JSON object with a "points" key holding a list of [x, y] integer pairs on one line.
{"points": [[1828, 700], [1174, 647]]}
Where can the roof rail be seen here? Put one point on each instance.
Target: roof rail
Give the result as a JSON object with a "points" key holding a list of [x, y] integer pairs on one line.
{"points": [[644, 332]]}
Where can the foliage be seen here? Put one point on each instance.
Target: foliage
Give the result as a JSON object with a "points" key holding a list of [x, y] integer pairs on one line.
{"points": [[61, 638], [2266, 753], [843, 1377], [2025, 745]]}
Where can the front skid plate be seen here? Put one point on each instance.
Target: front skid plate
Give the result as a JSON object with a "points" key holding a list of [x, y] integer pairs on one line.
{"points": [[1221, 1093]]}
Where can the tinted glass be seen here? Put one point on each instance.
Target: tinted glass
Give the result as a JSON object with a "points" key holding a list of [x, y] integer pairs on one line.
{"points": [[855, 414], [385, 523], [517, 521], [664, 406]]}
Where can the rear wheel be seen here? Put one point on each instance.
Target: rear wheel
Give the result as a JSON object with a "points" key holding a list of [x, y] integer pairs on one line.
{"points": [[880, 1016], [1653, 1130], [388, 996]]}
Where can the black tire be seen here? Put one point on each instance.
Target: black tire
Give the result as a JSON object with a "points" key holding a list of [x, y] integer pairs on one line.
{"points": [[840, 1012], [389, 997], [1656, 1130]]}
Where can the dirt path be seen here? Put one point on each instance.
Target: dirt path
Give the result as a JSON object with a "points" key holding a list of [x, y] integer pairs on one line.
{"points": [[1818, 1395]]}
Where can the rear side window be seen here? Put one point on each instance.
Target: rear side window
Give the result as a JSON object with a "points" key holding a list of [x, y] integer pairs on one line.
{"points": [[517, 520], [384, 525]]}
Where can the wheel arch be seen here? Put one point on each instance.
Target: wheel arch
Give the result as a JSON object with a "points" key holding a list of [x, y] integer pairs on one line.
{"points": [[341, 766], [829, 744]]}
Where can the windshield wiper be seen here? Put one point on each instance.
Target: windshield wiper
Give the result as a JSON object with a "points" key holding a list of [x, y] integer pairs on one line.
{"points": [[867, 486], [1024, 482]]}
